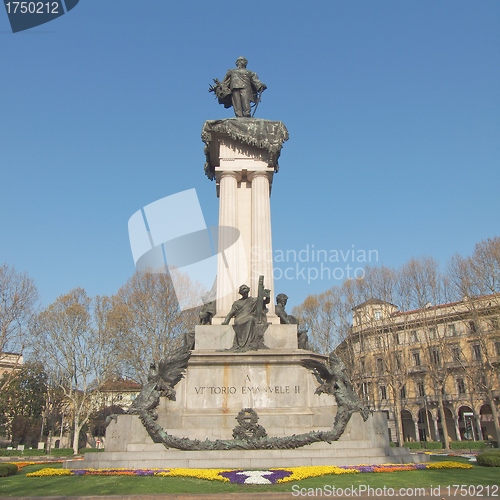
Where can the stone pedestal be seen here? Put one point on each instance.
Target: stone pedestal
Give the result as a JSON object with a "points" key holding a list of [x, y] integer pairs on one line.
{"points": [[221, 337], [218, 384]]}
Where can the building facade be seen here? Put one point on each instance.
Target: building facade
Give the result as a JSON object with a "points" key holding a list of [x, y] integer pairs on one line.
{"points": [[10, 361], [434, 370]]}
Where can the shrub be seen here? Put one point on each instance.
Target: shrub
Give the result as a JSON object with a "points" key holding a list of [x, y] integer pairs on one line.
{"points": [[433, 445], [8, 469], [90, 450], [466, 445], [10, 453], [413, 445], [62, 452], [490, 458], [393, 444], [33, 453]]}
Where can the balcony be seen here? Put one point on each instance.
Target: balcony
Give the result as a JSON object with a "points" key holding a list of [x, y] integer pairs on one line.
{"points": [[417, 369]]}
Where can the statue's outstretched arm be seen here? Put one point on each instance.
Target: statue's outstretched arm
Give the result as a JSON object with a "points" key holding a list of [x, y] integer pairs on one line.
{"points": [[230, 315]]}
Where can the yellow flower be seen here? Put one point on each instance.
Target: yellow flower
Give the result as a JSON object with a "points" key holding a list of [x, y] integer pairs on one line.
{"points": [[448, 465], [48, 471], [299, 473], [210, 474]]}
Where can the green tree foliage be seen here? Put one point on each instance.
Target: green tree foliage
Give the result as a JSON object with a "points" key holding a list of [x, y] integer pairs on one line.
{"points": [[22, 404]]}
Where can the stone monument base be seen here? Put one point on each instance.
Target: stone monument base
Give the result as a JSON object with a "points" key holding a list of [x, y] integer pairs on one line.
{"points": [[361, 443], [219, 384]]}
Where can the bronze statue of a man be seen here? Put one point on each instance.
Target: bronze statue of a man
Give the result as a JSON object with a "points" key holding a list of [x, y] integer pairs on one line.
{"points": [[239, 88]]}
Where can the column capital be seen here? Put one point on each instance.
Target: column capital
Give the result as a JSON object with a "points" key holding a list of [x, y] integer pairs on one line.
{"points": [[251, 175], [221, 174]]}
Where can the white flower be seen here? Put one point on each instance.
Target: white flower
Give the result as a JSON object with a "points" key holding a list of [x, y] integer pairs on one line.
{"points": [[256, 476]]}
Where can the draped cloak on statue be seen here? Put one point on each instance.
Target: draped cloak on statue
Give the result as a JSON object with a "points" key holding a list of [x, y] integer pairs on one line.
{"points": [[244, 313]]}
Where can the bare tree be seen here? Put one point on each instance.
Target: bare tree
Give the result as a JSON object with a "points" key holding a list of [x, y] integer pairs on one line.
{"points": [[423, 286], [147, 321], [18, 297], [73, 340], [378, 339], [477, 279], [321, 314]]}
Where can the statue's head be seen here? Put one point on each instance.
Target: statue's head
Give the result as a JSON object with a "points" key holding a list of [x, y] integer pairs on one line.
{"points": [[241, 62], [281, 298], [244, 289]]}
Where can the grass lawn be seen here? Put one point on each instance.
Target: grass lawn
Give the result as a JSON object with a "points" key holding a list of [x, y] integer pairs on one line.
{"points": [[20, 485]]}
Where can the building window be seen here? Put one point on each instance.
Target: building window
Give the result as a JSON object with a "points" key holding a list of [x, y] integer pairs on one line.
{"points": [[435, 357], [414, 336], [472, 327], [421, 389], [383, 392], [378, 315], [461, 386], [476, 352], [397, 337], [432, 333], [357, 319], [455, 352], [451, 330], [416, 358], [497, 348], [380, 365], [402, 392], [494, 323]]}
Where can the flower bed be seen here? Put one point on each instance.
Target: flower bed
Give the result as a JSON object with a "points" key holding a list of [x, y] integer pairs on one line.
{"points": [[20, 465], [271, 476]]}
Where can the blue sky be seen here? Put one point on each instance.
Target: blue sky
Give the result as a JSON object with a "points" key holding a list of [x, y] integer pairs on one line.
{"points": [[393, 110]]}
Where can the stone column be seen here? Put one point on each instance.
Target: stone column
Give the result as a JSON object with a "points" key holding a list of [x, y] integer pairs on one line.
{"points": [[227, 277], [436, 428], [417, 433], [261, 257], [479, 431], [457, 428]]}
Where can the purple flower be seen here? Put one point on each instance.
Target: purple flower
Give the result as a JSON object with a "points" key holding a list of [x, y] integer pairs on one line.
{"points": [[234, 476], [364, 468], [142, 472]]}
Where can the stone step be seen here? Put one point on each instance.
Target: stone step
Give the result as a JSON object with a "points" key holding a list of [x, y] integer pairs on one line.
{"points": [[345, 445], [250, 459]]}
